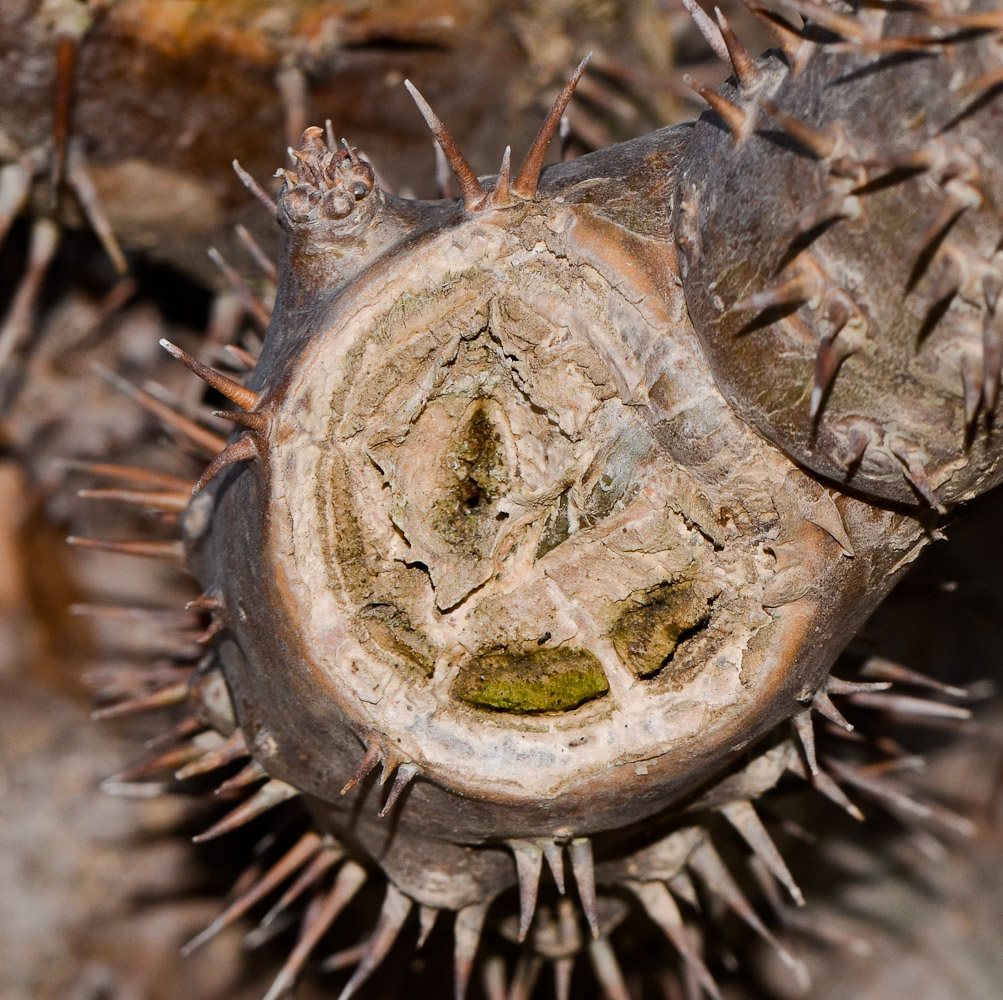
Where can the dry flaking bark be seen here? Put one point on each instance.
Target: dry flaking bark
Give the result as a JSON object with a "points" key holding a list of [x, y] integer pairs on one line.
{"points": [[518, 521]]}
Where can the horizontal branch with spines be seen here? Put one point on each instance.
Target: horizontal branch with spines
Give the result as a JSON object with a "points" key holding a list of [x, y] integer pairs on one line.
{"points": [[839, 228]]}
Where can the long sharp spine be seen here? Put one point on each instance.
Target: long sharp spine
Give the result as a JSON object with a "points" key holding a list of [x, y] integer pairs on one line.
{"points": [[266, 798], [528, 178], [580, 850], [470, 187], [528, 857]]}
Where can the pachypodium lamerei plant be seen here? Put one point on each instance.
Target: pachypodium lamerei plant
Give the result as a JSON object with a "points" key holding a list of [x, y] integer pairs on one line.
{"points": [[550, 508]]}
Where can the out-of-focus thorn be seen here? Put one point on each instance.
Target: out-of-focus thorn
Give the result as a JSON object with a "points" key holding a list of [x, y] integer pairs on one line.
{"points": [[256, 309], [257, 190], [90, 204], [268, 266], [396, 907], [170, 551], [18, 323], [206, 440], [319, 918], [712, 36]]}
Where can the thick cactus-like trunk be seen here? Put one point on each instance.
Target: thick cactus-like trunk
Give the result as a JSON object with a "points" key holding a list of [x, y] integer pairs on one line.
{"points": [[552, 506]]}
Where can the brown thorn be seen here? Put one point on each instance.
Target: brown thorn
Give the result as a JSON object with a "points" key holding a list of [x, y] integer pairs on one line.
{"points": [[67, 50], [232, 749], [350, 880], [790, 40], [838, 686], [804, 726], [859, 439], [294, 859], [730, 113], [130, 474], [406, 773], [268, 266], [257, 422], [264, 799], [372, 758], [171, 551], [242, 450], [555, 862], [256, 309], [528, 178], [709, 30], [803, 285], [208, 441], [989, 21], [206, 602], [249, 775], [256, 189], [174, 694], [187, 727], [173, 503], [822, 703], [580, 851], [395, 910], [743, 817], [915, 475], [826, 365], [90, 204], [528, 857], [245, 398], [470, 186], [814, 141], [949, 212], [744, 66], [467, 929], [500, 196], [824, 783]]}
